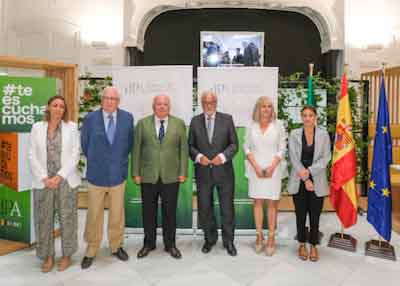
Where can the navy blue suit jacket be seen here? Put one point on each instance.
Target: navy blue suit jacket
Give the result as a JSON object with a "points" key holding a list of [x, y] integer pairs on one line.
{"points": [[107, 165]]}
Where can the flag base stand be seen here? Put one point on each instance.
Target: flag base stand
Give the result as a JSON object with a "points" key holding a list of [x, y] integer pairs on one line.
{"points": [[343, 241], [380, 249]]}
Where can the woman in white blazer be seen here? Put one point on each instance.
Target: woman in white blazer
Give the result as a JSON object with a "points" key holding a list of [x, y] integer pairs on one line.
{"points": [[265, 148], [54, 156], [310, 153]]}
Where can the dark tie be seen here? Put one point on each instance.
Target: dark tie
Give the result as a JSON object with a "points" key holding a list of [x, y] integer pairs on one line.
{"points": [[110, 129], [161, 132]]}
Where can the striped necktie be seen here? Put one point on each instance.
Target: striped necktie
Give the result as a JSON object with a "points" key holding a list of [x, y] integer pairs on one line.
{"points": [[161, 131]]}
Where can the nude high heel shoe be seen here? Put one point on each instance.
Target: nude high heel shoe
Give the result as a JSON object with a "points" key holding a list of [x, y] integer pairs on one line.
{"points": [[47, 266], [259, 245], [314, 257], [271, 246], [302, 252]]}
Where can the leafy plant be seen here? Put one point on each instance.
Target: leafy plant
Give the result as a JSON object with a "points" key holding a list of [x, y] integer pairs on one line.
{"points": [[90, 99]]}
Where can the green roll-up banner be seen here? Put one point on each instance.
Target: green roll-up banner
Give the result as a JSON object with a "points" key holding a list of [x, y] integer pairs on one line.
{"points": [[15, 215], [22, 102]]}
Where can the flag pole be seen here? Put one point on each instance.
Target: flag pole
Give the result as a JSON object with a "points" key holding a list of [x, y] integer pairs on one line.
{"points": [[383, 67], [383, 73], [311, 69], [345, 68], [380, 247], [339, 239], [310, 90]]}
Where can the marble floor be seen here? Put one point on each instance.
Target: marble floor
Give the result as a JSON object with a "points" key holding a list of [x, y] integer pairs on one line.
{"points": [[335, 267]]}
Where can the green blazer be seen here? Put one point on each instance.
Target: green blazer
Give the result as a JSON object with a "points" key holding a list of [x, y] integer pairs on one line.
{"points": [[152, 160]]}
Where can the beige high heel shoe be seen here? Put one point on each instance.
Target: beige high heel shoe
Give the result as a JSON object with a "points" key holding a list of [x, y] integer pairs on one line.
{"points": [[302, 252], [314, 257], [259, 245], [47, 266], [271, 247], [64, 263]]}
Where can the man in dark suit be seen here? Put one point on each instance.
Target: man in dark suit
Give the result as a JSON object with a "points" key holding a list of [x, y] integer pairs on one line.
{"points": [[212, 144], [106, 141], [238, 58], [160, 158], [251, 55]]}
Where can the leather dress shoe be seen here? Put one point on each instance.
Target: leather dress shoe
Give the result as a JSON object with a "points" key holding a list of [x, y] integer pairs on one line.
{"points": [[230, 248], [144, 251], [207, 247], [86, 262], [174, 252], [121, 254]]}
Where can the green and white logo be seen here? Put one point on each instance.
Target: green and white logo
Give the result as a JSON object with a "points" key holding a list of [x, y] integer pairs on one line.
{"points": [[15, 215], [23, 101]]}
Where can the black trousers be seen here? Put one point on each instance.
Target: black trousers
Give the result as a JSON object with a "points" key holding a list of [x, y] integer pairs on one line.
{"points": [[207, 220], [169, 199], [307, 202]]}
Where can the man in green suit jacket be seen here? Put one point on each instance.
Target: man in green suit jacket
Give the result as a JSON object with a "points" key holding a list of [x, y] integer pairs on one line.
{"points": [[159, 158]]}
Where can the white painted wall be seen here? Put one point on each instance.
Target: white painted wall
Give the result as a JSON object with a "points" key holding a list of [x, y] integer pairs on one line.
{"points": [[368, 30], [64, 30], [372, 34], [2, 28]]}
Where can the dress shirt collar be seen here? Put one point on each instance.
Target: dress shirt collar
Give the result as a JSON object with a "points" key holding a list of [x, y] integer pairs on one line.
{"points": [[158, 120], [106, 114], [206, 116]]}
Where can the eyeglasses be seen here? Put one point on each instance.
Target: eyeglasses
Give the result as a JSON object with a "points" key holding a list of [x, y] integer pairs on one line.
{"points": [[110, 98], [209, 102]]}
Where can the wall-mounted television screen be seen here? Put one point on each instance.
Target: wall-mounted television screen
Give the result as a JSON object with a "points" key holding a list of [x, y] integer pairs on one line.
{"points": [[225, 49]]}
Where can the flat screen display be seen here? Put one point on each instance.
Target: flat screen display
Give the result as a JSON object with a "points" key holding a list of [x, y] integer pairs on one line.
{"points": [[225, 49]]}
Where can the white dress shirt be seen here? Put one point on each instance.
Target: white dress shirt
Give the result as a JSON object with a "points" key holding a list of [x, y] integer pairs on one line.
{"points": [[106, 119], [158, 124], [206, 118]]}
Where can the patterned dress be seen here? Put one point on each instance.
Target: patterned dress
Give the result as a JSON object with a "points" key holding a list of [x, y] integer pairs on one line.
{"points": [[59, 203]]}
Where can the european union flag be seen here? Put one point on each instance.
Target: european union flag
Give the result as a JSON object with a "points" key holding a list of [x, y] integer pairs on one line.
{"points": [[379, 193]]}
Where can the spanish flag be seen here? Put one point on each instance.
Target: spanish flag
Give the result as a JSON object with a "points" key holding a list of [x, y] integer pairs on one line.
{"points": [[343, 193]]}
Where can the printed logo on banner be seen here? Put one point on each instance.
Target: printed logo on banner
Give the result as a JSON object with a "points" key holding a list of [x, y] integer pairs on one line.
{"points": [[15, 209], [23, 101], [153, 88], [219, 88]]}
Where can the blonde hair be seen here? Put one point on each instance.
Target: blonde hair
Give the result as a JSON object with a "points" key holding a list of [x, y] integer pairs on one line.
{"points": [[257, 107]]}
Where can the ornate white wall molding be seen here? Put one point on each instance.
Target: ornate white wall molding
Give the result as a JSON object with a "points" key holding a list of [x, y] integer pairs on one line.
{"points": [[321, 13]]}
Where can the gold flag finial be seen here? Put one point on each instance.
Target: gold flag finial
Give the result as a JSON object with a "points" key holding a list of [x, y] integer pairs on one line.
{"points": [[346, 68], [311, 68]]}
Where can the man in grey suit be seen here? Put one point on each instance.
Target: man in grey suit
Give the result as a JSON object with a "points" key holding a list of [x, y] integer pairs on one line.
{"points": [[212, 144]]}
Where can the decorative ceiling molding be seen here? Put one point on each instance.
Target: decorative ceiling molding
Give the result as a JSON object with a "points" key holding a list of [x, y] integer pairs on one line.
{"points": [[323, 17]]}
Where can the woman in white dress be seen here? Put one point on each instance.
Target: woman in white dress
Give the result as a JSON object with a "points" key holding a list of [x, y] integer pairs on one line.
{"points": [[265, 147]]}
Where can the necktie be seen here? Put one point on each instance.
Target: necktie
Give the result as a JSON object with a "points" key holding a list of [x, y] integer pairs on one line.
{"points": [[209, 128], [110, 129], [161, 131]]}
